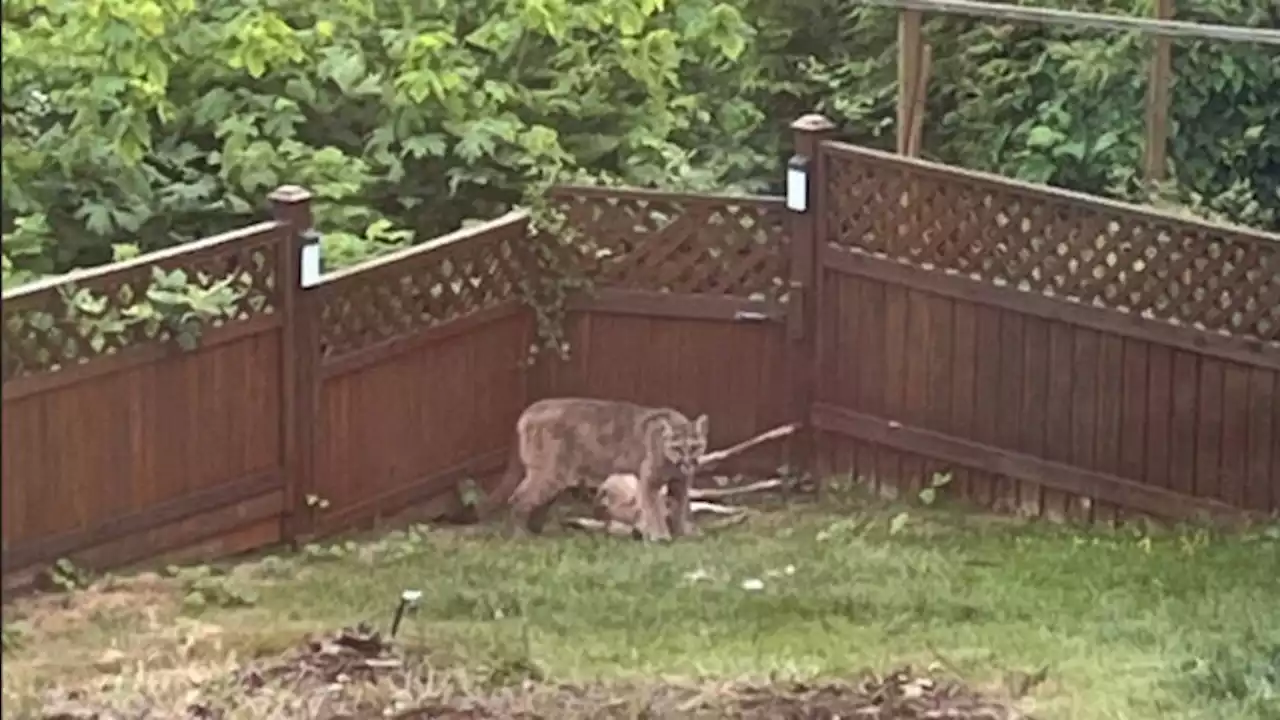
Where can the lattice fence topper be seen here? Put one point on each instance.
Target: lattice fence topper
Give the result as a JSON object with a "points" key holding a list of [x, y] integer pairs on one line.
{"points": [[1184, 273], [643, 240], [407, 295], [79, 321]]}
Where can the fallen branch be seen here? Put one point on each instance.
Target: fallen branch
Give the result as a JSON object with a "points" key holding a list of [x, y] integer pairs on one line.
{"points": [[698, 506], [712, 493], [719, 456], [728, 514]]}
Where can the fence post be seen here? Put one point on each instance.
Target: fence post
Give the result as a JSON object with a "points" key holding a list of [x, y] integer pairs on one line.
{"points": [[299, 357], [806, 181]]}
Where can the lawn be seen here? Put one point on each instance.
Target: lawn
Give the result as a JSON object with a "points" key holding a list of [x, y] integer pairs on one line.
{"points": [[1061, 622]]}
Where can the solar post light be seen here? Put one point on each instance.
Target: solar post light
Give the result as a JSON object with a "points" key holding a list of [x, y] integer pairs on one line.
{"points": [[408, 599], [798, 183]]}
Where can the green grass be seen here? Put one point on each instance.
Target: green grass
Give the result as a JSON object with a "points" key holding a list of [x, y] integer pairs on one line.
{"points": [[1117, 618]]}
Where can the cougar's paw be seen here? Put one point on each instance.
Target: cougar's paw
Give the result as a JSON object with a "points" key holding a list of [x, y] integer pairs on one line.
{"points": [[690, 530], [657, 537]]}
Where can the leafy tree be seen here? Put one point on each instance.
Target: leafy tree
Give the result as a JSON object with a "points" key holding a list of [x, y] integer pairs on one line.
{"points": [[151, 122], [1064, 105]]}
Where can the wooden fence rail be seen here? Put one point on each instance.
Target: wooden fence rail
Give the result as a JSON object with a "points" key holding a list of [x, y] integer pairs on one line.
{"points": [[1057, 354]]}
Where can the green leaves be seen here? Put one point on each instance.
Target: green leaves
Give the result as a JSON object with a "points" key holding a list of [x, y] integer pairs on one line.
{"points": [[150, 122]]}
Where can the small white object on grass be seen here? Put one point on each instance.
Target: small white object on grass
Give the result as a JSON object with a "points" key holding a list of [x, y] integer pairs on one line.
{"points": [[752, 584], [410, 597], [697, 575]]}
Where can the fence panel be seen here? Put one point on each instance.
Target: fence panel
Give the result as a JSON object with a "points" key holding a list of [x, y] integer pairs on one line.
{"points": [[1065, 356], [421, 374], [116, 442], [687, 310]]}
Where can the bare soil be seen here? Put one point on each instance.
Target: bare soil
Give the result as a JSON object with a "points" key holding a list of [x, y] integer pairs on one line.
{"points": [[356, 675]]}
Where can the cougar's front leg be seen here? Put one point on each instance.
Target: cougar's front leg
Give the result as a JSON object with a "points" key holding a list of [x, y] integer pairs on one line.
{"points": [[682, 519], [653, 514]]}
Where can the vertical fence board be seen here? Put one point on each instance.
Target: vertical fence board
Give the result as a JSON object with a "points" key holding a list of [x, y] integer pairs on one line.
{"points": [[1264, 468], [1110, 399], [851, 302], [1179, 461], [937, 410], [916, 384], [871, 368], [1208, 467], [1234, 465], [894, 465], [1009, 401], [963, 400], [1084, 402], [987, 394], [1275, 451], [1133, 414], [1035, 410]]}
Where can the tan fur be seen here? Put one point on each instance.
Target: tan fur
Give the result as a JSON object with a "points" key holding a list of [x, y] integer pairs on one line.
{"points": [[563, 443], [618, 500]]}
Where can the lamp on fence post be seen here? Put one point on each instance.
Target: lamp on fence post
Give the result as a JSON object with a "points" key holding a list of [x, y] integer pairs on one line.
{"points": [[298, 267], [798, 183], [806, 193], [309, 260]]}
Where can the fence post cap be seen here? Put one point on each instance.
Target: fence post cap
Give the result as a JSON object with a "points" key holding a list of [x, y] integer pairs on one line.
{"points": [[290, 194], [813, 123]]}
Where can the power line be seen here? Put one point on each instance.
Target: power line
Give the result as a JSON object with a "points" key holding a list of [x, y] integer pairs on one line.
{"points": [[1117, 23]]}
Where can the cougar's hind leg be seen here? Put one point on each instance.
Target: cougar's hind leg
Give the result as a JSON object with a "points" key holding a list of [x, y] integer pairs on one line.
{"points": [[533, 498]]}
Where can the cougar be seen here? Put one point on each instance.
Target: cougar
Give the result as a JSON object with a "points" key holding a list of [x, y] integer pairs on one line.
{"points": [[563, 443]]}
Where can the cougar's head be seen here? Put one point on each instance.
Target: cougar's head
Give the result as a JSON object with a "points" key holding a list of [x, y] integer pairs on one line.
{"points": [[684, 442]]}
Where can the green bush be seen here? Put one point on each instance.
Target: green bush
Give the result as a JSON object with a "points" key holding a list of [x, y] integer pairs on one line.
{"points": [[144, 123]]}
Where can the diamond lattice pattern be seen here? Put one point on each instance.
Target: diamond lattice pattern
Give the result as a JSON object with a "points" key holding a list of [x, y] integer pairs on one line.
{"points": [[1092, 252], [680, 244], [418, 292], [41, 337]]}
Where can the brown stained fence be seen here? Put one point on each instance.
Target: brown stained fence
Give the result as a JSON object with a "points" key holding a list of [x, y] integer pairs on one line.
{"points": [[688, 309], [1057, 354], [1054, 354], [119, 446], [420, 375]]}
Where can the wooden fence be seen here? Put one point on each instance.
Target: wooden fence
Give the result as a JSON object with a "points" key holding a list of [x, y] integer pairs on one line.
{"points": [[120, 447], [1058, 354]]}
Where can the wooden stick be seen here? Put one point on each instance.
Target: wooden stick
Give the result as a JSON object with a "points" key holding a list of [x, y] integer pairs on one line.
{"points": [[1100, 21], [919, 101], [719, 456], [699, 506], [709, 493], [614, 527]]}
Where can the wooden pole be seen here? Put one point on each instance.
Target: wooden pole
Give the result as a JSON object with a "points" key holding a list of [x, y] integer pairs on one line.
{"points": [[909, 22], [920, 101], [291, 205], [1114, 23], [1159, 76]]}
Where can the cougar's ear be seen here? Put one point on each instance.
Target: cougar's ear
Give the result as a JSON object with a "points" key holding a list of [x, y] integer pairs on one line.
{"points": [[665, 429], [700, 425]]}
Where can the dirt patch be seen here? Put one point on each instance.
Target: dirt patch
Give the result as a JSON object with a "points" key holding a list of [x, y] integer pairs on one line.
{"points": [[109, 599], [356, 675]]}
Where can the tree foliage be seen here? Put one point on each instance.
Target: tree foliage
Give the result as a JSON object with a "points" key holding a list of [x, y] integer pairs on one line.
{"points": [[136, 124]]}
